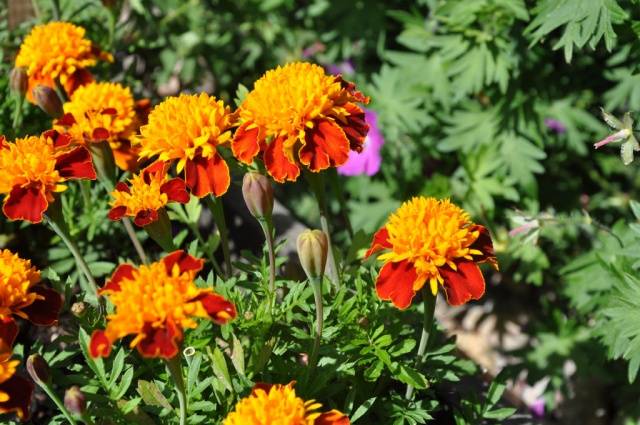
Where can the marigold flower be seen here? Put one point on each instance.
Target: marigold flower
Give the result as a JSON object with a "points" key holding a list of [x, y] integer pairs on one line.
{"points": [[15, 391], [32, 169], [279, 404], [58, 51], [431, 240], [104, 111], [155, 303], [297, 114], [190, 129], [150, 191]]}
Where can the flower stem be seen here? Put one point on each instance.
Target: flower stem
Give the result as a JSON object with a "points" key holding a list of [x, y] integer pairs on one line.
{"points": [[17, 118], [56, 400], [175, 370], [134, 240], [429, 301], [317, 295], [266, 226], [215, 205]]}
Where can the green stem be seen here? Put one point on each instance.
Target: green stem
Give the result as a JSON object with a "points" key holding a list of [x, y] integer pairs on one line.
{"points": [[54, 397], [17, 118], [175, 370], [317, 295], [429, 301], [268, 235], [134, 240], [215, 205]]}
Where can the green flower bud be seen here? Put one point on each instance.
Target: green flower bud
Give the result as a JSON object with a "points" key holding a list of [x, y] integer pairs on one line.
{"points": [[258, 194], [38, 369], [19, 81], [75, 401], [47, 99], [313, 247]]}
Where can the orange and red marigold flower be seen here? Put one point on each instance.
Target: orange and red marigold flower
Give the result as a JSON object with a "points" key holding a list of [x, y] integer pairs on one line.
{"points": [[15, 391], [58, 51], [279, 404], [155, 303], [189, 130], [297, 114], [32, 169], [103, 111], [149, 192], [434, 241]]}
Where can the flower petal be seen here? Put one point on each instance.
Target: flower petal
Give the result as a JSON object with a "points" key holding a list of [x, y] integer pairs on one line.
{"points": [[100, 345], [380, 241], [76, 164], [395, 283], [160, 341], [145, 217], [207, 175], [19, 391], [245, 144], [8, 333], [484, 244], [117, 213], [44, 311], [277, 163], [219, 309], [25, 203], [122, 187], [123, 271], [333, 417], [356, 127], [100, 134], [184, 261], [325, 146], [176, 190], [464, 284]]}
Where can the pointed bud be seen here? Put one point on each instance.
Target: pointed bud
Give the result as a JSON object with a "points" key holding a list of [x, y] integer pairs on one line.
{"points": [[78, 309], [258, 195], [38, 369], [313, 247], [48, 100], [75, 401], [19, 81]]}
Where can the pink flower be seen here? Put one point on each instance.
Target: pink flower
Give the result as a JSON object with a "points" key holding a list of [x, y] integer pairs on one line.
{"points": [[368, 161]]}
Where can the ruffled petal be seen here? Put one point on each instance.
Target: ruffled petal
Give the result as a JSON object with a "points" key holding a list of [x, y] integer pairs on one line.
{"points": [[333, 417], [8, 333], [100, 345], [395, 283], [278, 165], [76, 164], [245, 144], [117, 213], [161, 341], [484, 244], [44, 311], [464, 284], [19, 391], [218, 308], [176, 190], [145, 217], [184, 261], [25, 203], [380, 241], [123, 271], [207, 175], [356, 127], [325, 146]]}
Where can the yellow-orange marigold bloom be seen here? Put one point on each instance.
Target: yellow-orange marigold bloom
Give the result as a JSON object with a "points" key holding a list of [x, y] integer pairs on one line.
{"points": [[150, 191], [279, 404], [15, 391], [155, 303], [35, 167], [189, 129], [431, 240], [297, 114], [58, 51]]}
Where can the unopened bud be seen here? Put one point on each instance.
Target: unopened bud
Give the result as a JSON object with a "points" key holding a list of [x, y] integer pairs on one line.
{"points": [[75, 401], [38, 368], [48, 100], [258, 194], [313, 247], [19, 81], [78, 309]]}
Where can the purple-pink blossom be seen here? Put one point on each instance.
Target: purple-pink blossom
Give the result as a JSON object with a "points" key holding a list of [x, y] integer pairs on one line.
{"points": [[369, 160], [555, 125]]}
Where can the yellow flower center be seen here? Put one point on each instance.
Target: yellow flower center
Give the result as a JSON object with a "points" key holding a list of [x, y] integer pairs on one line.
{"points": [[286, 100], [143, 196], [29, 160], [181, 127], [278, 406], [17, 276], [7, 370], [153, 296], [430, 233], [101, 105]]}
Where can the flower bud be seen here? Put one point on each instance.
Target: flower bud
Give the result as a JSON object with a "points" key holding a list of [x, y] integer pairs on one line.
{"points": [[48, 100], [313, 247], [258, 194], [75, 401], [78, 309], [38, 369], [19, 81]]}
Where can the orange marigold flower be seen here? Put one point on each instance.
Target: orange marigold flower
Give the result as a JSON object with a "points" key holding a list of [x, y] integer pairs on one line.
{"points": [[32, 169], [58, 51], [155, 303], [15, 391], [431, 240], [104, 111], [279, 404], [297, 114], [189, 129], [150, 191]]}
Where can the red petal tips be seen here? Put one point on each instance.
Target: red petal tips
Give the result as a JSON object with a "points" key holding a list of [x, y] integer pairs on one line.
{"points": [[395, 283]]}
